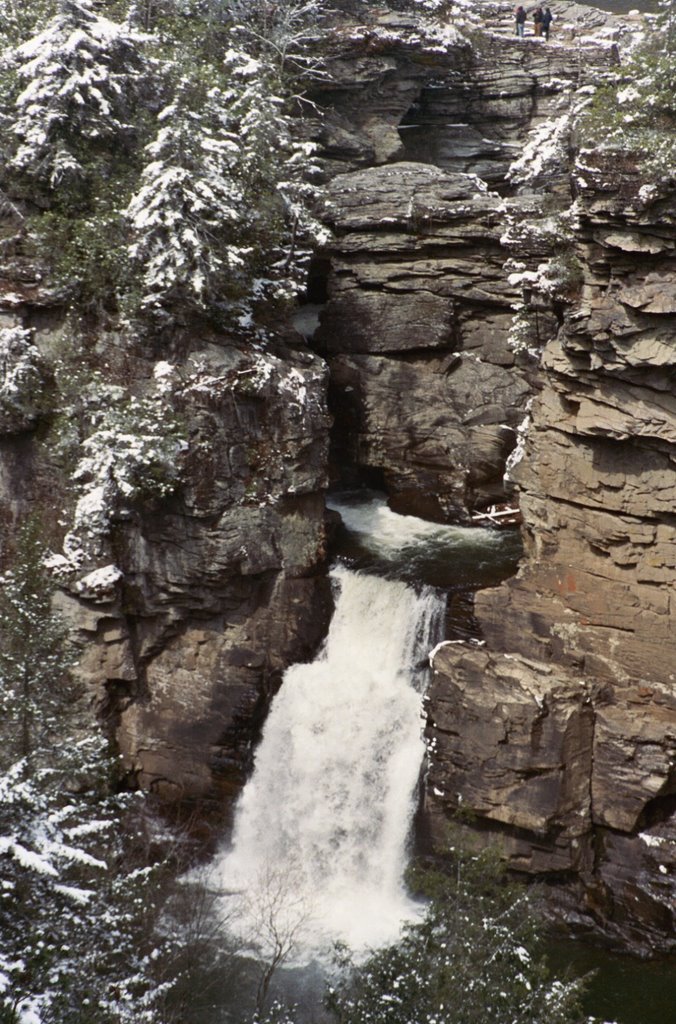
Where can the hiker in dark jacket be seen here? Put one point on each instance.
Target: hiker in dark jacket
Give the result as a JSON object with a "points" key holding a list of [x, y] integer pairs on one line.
{"points": [[520, 20], [537, 21], [547, 19]]}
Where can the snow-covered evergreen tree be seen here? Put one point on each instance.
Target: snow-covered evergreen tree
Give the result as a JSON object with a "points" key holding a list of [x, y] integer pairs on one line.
{"points": [[226, 193], [23, 377], [184, 217], [76, 919], [79, 78], [35, 657], [219, 204], [19, 20], [133, 451], [75, 946]]}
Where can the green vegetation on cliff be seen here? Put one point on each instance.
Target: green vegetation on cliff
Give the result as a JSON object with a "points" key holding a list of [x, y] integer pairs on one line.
{"points": [[634, 111], [75, 896], [158, 156], [155, 174], [472, 958]]}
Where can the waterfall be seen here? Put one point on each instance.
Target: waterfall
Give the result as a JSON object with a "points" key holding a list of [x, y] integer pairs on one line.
{"points": [[321, 828]]}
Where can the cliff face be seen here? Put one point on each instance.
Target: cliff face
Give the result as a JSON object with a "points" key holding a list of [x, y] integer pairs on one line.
{"points": [[226, 589], [558, 734], [426, 391], [190, 606], [424, 386]]}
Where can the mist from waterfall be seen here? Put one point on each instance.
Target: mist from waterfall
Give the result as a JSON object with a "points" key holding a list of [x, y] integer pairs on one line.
{"points": [[321, 829]]}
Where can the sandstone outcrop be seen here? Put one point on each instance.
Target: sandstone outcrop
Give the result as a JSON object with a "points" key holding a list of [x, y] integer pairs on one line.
{"points": [[424, 385], [560, 734], [226, 588], [419, 305], [189, 608]]}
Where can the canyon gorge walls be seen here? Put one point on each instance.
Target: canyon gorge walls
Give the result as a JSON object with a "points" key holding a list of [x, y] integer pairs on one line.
{"points": [[555, 736], [575, 687], [451, 175]]}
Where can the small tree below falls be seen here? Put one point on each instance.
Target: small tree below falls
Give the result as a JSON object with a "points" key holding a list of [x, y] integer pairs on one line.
{"points": [[473, 958]]}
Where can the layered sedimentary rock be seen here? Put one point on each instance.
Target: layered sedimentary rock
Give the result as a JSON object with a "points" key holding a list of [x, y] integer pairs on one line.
{"points": [[426, 390], [226, 589], [424, 386], [189, 608], [560, 733]]}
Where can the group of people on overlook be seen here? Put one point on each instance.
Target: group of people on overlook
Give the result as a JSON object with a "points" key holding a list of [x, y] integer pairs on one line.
{"points": [[542, 20]]}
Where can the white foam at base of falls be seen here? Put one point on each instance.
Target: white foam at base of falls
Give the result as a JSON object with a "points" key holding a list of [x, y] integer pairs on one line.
{"points": [[321, 828]]}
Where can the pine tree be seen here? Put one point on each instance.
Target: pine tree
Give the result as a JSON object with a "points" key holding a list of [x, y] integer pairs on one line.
{"points": [[184, 217], [76, 945], [225, 197], [80, 78], [224, 204], [19, 19]]}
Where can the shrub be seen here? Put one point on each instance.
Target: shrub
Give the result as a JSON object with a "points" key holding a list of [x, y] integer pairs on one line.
{"points": [[23, 381], [635, 110], [474, 957]]}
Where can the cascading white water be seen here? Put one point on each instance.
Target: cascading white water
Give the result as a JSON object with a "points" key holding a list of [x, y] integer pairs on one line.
{"points": [[321, 828], [443, 554]]}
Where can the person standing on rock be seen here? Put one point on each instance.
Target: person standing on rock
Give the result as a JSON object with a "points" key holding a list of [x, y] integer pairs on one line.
{"points": [[538, 18], [520, 20], [547, 19]]}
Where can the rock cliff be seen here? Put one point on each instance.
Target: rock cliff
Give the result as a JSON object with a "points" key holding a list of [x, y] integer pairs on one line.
{"points": [[557, 734], [419, 305], [424, 387], [190, 606]]}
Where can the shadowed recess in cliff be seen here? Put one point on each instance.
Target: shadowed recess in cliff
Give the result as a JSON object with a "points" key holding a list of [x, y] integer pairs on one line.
{"points": [[320, 836]]}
